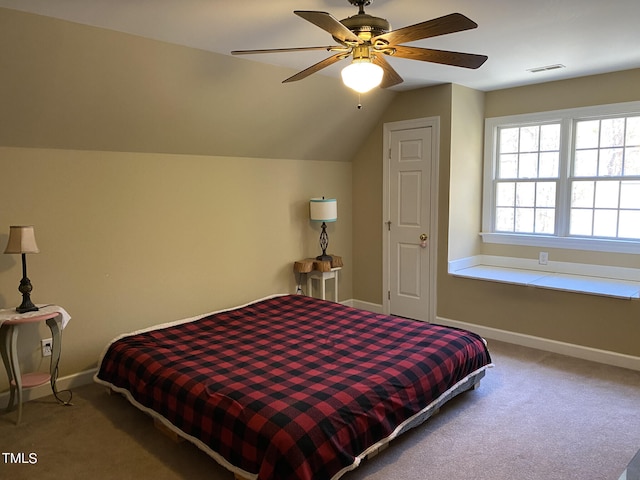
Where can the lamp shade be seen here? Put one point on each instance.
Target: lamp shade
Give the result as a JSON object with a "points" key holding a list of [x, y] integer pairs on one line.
{"points": [[362, 75], [22, 239], [323, 209]]}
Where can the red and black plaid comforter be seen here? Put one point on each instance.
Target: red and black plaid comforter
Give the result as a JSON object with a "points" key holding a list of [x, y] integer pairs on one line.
{"points": [[291, 387]]}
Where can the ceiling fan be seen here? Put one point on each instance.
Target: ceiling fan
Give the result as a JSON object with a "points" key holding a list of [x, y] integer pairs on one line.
{"points": [[369, 39]]}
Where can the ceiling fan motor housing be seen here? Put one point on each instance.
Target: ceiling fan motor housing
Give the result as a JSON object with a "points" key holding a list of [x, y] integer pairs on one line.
{"points": [[366, 26]]}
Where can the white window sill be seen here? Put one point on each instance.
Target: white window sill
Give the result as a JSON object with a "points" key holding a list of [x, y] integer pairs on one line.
{"points": [[616, 282]]}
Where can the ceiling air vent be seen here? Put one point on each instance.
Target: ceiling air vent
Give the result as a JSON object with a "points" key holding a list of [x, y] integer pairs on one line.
{"points": [[546, 68]]}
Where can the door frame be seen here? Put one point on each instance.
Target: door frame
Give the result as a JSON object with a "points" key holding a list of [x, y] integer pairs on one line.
{"points": [[388, 128]]}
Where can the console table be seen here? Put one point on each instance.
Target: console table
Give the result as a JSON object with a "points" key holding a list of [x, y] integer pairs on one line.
{"points": [[56, 319]]}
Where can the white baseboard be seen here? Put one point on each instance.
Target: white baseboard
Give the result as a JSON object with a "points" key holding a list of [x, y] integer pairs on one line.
{"points": [[69, 382], [63, 383], [371, 307], [572, 350]]}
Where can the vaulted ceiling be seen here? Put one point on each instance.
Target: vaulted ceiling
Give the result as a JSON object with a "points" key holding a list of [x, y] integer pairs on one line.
{"points": [[157, 75], [584, 36]]}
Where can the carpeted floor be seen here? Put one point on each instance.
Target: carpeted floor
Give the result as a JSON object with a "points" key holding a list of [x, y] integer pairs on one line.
{"points": [[536, 415]]}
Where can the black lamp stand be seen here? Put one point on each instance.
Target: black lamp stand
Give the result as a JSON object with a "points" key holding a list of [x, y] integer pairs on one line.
{"points": [[324, 243], [25, 289]]}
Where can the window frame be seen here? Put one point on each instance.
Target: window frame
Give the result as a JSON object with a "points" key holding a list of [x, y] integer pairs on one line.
{"points": [[567, 119]]}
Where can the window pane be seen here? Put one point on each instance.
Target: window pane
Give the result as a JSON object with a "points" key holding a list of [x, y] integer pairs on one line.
{"points": [[630, 195], [508, 166], [605, 223], [610, 162], [582, 194], [529, 140], [580, 222], [633, 131], [525, 194], [504, 219], [586, 163], [528, 165], [604, 149], [607, 194], [550, 137], [632, 161], [587, 133], [524, 220], [629, 224], [549, 165], [506, 194], [612, 132], [546, 194], [509, 140], [545, 220]]}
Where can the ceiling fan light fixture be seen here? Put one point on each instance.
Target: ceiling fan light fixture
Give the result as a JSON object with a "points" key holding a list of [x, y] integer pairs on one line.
{"points": [[362, 75]]}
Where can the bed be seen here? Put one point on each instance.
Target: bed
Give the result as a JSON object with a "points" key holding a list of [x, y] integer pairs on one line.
{"points": [[292, 387]]}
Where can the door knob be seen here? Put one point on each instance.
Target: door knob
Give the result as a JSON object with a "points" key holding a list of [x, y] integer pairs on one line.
{"points": [[423, 240]]}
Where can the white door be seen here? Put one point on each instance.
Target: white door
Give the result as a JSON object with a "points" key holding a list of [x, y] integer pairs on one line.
{"points": [[411, 188]]}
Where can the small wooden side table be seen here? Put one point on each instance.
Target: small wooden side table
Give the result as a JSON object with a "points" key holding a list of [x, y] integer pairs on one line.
{"points": [[56, 319], [321, 271], [322, 277]]}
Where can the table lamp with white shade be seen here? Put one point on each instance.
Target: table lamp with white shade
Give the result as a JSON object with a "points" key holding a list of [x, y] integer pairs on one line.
{"points": [[323, 210]]}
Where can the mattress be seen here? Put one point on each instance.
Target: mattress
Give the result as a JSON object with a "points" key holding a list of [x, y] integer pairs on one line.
{"points": [[292, 387]]}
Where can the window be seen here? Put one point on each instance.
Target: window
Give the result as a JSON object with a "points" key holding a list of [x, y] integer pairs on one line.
{"points": [[565, 179]]}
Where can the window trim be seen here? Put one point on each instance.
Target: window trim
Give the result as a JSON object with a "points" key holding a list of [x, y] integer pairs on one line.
{"points": [[566, 117]]}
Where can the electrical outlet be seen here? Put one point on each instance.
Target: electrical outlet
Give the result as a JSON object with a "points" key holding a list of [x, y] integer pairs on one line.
{"points": [[47, 345], [543, 259]]}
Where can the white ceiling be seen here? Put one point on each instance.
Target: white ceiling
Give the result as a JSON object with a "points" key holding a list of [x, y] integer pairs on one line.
{"points": [[587, 36]]}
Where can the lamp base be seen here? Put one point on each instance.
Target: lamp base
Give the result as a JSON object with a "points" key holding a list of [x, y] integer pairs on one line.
{"points": [[324, 243], [26, 307], [25, 289]]}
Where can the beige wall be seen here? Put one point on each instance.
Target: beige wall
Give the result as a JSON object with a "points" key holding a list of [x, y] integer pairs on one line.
{"points": [[587, 320], [578, 92], [367, 186], [65, 85], [165, 181], [581, 92], [162, 181], [128, 240], [465, 185]]}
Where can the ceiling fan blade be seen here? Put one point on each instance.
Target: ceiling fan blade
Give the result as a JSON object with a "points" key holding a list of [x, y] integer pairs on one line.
{"points": [[315, 68], [390, 77], [455, 59], [330, 24], [454, 22], [281, 50]]}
